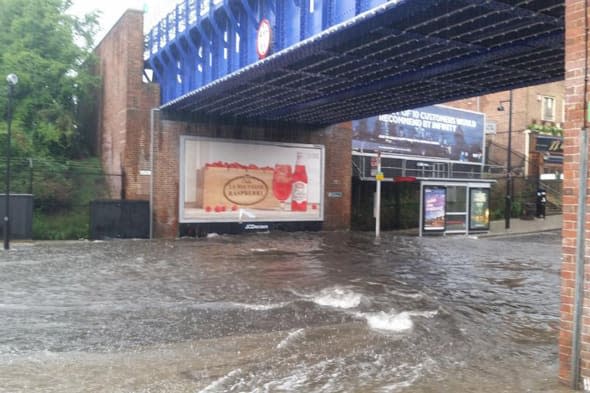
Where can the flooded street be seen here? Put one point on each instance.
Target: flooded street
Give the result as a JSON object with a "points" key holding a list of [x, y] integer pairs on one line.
{"points": [[282, 312]]}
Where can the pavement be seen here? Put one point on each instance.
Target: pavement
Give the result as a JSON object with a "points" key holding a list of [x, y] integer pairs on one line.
{"points": [[520, 226], [517, 226]]}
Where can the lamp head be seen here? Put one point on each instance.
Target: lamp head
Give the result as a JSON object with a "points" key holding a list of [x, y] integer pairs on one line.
{"points": [[12, 79], [501, 108]]}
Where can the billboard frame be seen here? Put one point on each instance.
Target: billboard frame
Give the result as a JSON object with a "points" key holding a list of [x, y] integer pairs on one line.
{"points": [[182, 180]]}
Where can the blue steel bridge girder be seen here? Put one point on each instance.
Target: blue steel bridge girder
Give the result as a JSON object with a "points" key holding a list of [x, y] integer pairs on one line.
{"points": [[250, 13], [225, 36], [232, 17], [335, 60]]}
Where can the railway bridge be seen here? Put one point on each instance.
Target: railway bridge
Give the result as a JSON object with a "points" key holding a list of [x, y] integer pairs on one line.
{"points": [[237, 86]]}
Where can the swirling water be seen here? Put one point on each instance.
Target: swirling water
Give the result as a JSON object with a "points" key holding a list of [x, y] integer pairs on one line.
{"points": [[282, 312]]}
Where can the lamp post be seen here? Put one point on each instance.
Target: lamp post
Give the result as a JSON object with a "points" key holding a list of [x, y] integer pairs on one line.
{"points": [[12, 80], [508, 206]]}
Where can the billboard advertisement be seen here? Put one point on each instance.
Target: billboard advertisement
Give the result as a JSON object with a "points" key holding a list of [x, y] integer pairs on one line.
{"points": [[479, 209], [432, 132], [435, 201], [235, 181]]}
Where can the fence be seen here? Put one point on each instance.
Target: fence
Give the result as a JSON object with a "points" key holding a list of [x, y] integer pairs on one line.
{"points": [[62, 193]]}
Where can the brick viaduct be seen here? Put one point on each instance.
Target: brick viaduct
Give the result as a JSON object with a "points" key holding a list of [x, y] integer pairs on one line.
{"points": [[126, 125]]}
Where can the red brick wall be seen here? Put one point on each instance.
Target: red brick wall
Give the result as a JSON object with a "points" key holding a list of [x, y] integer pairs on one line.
{"points": [[124, 105], [338, 160], [574, 109]]}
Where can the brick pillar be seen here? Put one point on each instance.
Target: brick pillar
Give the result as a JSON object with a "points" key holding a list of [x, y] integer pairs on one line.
{"points": [[575, 52], [124, 106], [166, 176], [337, 140]]}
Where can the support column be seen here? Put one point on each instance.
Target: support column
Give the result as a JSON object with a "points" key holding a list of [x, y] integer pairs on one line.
{"points": [[574, 341]]}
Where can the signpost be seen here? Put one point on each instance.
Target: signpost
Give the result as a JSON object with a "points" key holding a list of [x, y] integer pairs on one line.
{"points": [[378, 178]]}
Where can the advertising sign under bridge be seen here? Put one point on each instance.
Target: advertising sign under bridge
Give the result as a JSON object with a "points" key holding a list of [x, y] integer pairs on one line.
{"points": [[435, 131]]}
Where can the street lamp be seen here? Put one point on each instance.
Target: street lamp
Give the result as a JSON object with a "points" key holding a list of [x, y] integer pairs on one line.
{"points": [[12, 80], [508, 206]]}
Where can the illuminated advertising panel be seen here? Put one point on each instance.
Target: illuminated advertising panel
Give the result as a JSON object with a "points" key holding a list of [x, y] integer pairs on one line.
{"points": [[429, 132], [235, 181], [435, 201], [479, 209]]}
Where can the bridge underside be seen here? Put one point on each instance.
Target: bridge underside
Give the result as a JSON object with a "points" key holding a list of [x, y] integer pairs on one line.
{"points": [[400, 55]]}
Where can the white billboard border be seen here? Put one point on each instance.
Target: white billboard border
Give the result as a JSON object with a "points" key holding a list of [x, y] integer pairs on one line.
{"points": [[181, 174]]}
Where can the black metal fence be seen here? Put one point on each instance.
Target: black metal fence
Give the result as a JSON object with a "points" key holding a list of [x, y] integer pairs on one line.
{"points": [[62, 193]]}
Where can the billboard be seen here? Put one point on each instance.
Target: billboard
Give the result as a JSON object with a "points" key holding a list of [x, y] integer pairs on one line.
{"points": [[479, 209], [235, 181], [433, 132], [435, 203]]}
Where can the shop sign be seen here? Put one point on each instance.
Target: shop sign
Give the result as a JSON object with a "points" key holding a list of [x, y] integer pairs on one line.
{"points": [[549, 143]]}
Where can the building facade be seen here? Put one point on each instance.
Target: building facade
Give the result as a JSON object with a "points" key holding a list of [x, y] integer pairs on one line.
{"points": [[538, 116]]}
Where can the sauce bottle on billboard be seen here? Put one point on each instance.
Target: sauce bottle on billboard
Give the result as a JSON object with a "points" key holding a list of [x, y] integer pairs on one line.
{"points": [[299, 195]]}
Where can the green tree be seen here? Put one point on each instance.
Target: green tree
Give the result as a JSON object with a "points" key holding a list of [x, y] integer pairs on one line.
{"points": [[50, 50]]}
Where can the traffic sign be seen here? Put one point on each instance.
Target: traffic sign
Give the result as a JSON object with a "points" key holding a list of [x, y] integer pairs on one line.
{"points": [[379, 176]]}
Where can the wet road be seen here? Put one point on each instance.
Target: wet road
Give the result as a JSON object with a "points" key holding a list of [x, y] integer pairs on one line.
{"points": [[305, 312]]}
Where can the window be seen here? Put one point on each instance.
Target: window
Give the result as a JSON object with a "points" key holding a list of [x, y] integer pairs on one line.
{"points": [[548, 109]]}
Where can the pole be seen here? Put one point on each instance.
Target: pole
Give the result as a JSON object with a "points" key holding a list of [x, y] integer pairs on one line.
{"points": [[378, 199], [152, 125], [508, 206], [31, 176], [580, 252], [7, 213], [580, 258]]}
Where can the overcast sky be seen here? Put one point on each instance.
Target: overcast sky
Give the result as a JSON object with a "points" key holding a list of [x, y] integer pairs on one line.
{"points": [[113, 9]]}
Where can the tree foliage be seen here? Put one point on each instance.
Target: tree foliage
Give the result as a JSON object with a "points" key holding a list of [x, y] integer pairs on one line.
{"points": [[49, 50]]}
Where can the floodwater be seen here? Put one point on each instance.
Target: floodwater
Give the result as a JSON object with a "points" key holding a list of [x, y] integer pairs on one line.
{"points": [[282, 312]]}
